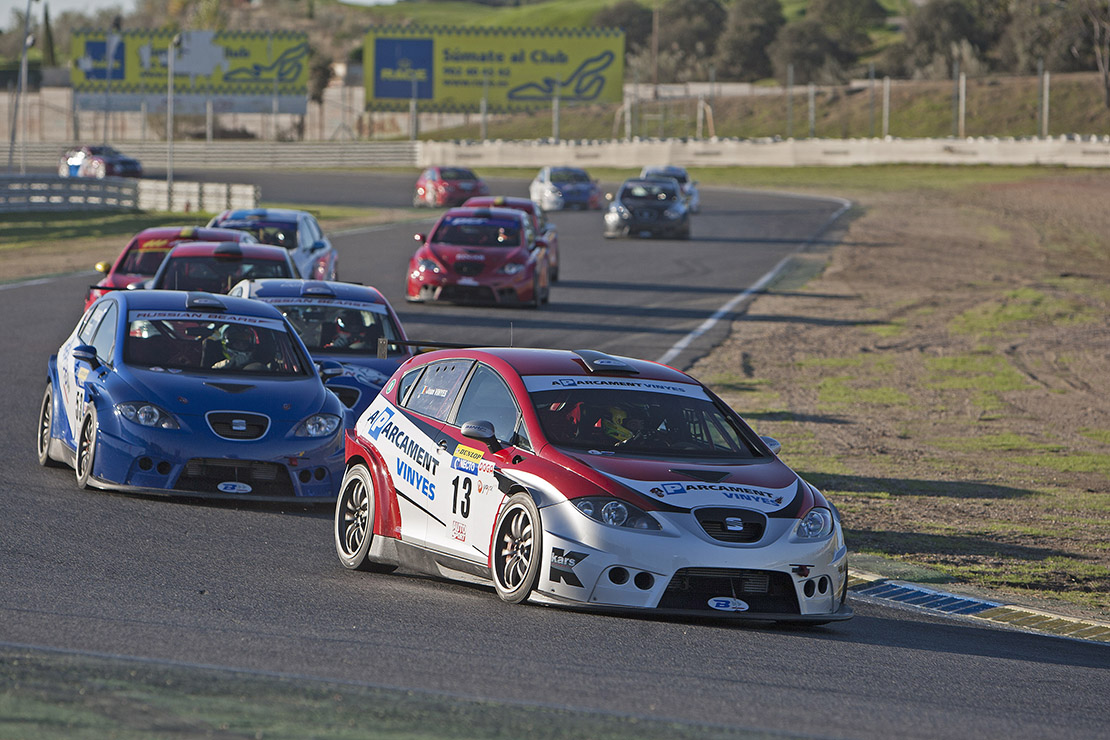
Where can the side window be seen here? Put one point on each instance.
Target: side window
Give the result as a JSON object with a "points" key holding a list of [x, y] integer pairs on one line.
{"points": [[92, 322], [487, 397], [105, 339], [435, 393], [405, 385]]}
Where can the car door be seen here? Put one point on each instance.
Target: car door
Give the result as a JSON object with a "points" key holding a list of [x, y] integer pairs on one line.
{"points": [[98, 330], [470, 496], [408, 441]]}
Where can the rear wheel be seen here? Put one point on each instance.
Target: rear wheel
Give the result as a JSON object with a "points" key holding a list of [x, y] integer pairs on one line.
{"points": [[46, 425], [517, 546], [355, 510], [86, 450]]}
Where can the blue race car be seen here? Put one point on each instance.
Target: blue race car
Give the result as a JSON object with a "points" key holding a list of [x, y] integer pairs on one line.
{"points": [[340, 323], [191, 393]]}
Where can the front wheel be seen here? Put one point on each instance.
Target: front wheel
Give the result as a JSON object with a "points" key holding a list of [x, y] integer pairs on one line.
{"points": [[86, 450], [46, 429], [354, 521], [517, 548]]}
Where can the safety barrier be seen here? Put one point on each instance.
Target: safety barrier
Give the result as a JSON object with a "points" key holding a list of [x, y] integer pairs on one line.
{"points": [[52, 193]]}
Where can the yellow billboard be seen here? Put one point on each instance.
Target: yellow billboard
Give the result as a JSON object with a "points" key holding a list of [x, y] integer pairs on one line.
{"points": [[244, 71], [512, 69]]}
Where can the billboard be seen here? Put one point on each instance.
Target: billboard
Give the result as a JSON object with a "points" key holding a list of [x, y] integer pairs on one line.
{"points": [[238, 71], [514, 69]]}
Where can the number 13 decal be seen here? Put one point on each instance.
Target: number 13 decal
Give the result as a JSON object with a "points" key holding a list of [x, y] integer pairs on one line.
{"points": [[462, 507]]}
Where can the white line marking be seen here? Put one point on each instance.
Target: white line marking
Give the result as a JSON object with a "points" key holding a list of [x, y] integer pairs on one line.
{"points": [[678, 347]]}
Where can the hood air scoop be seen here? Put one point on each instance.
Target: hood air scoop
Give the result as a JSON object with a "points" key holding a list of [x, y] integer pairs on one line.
{"points": [[229, 387], [708, 476]]}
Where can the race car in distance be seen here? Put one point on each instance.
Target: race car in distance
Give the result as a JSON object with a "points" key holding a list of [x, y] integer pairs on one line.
{"points": [[142, 256], [689, 187], [556, 188], [340, 324], [98, 162], [298, 232], [648, 208], [480, 255], [165, 391], [439, 187], [587, 480], [544, 226], [215, 267]]}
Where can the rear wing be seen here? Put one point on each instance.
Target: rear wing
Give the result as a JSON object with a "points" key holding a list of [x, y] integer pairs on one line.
{"points": [[420, 347]]}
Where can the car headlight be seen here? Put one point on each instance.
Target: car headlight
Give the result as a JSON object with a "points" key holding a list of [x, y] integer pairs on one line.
{"points": [[426, 265], [319, 425], [616, 513], [620, 211], [147, 415], [511, 268], [816, 524], [674, 212]]}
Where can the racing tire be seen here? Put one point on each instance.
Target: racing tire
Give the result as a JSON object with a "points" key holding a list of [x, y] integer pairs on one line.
{"points": [[517, 549], [46, 424], [354, 521], [85, 459]]}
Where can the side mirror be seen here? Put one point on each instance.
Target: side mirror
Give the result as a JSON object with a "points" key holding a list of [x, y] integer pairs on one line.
{"points": [[87, 353], [318, 245], [329, 369], [102, 267], [773, 443], [481, 430], [541, 243]]}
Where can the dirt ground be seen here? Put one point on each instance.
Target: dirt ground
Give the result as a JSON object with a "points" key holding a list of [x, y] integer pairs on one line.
{"points": [[944, 379]]}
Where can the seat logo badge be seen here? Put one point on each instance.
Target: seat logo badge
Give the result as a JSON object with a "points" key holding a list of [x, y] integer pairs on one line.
{"points": [[734, 524], [239, 425]]}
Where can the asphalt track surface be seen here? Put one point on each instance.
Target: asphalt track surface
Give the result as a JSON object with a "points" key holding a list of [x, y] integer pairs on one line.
{"points": [[259, 587]]}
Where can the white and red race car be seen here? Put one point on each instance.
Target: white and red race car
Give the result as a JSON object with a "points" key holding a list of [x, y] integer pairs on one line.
{"points": [[588, 480]]}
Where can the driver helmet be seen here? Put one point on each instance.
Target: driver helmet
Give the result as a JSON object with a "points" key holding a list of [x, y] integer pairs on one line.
{"points": [[239, 343], [613, 424], [350, 321]]}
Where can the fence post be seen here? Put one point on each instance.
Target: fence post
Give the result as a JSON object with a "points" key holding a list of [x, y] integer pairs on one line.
{"points": [[790, 101], [886, 107]]}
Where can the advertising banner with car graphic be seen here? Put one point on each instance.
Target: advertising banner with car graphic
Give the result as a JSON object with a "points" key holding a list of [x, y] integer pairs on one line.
{"points": [[238, 71], [513, 69]]}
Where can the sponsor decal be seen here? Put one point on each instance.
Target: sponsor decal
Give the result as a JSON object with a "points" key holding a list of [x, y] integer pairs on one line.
{"points": [[728, 490], [469, 453], [232, 486], [562, 566], [381, 427], [378, 421], [466, 466], [389, 386], [465, 256], [727, 604], [458, 531], [202, 318], [545, 382], [416, 479]]}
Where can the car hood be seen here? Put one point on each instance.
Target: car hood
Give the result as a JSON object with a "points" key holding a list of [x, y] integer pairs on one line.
{"points": [[492, 257], [766, 484], [187, 394], [368, 371]]}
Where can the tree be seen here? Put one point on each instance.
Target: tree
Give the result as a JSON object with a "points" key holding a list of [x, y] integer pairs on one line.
{"points": [[847, 21], [1044, 31], [817, 57], [633, 18], [1097, 16], [691, 26], [742, 47], [940, 32]]}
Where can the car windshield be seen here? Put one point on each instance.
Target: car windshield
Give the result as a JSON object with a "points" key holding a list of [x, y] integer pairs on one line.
{"points": [[215, 275], [104, 151], [145, 257], [569, 176], [639, 422], [276, 233], [466, 231], [457, 173], [649, 191], [174, 341], [341, 327], [676, 174]]}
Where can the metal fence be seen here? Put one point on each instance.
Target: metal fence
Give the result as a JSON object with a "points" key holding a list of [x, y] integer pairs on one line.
{"points": [[21, 193]]}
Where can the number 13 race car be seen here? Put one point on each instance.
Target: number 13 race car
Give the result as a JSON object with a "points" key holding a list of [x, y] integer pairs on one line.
{"points": [[582, 479]]}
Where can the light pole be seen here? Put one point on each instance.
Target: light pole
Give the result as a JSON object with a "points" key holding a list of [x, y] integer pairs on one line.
{"points": [[171, 53], [110, 47], [28, 40]]}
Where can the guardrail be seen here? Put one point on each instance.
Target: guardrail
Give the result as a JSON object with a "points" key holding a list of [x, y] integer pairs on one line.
{"points": [[53, 193]]}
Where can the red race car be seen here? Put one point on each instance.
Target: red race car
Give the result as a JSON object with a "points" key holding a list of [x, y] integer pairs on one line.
{"points": [[142, 256], [215, 267], [446, 186], [480, 255], [545, 228]]}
